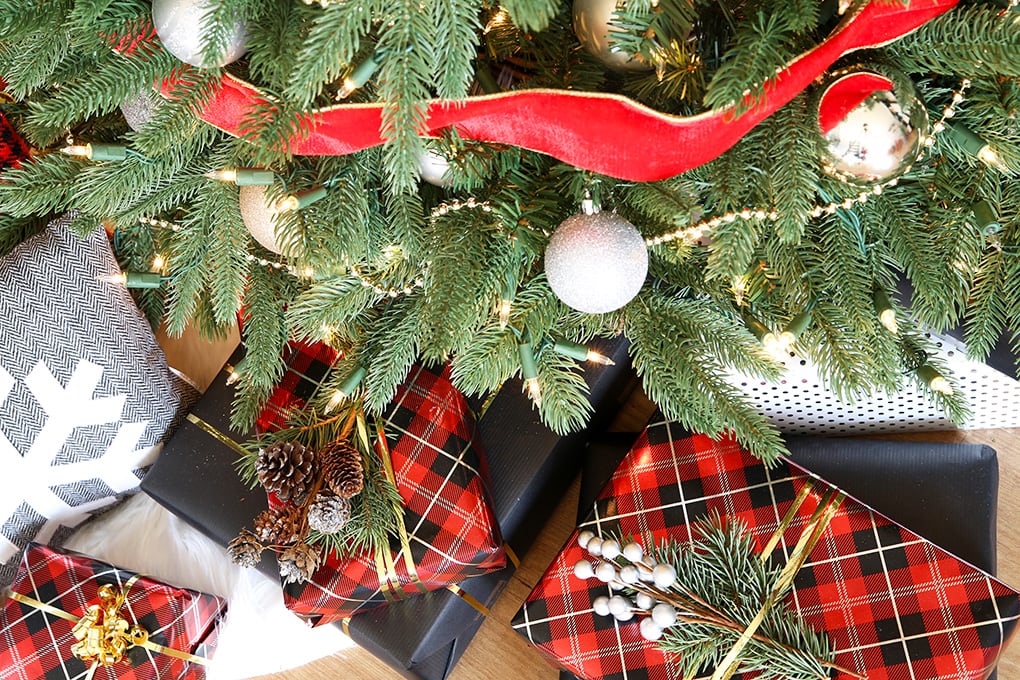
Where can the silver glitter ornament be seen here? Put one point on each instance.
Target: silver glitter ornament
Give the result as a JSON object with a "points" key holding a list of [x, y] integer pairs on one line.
{"points": [[138, 110], [259, 216], [433, 167], [596, 263], [591, 25], [179, 24], [877, 140]]}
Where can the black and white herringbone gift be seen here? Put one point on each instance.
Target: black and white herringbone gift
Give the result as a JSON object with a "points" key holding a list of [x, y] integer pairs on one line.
{"points": [[85, 392]]}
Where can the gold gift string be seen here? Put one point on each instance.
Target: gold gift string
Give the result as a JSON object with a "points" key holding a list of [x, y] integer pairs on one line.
{"points": [[405, 541], [88, 623], [216, 434], [812, 533]]}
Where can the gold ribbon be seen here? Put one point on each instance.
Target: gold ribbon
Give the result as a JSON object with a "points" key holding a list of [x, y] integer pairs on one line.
{"points": [[103, 635], [216, 434], [389, 582], [809, 538]]}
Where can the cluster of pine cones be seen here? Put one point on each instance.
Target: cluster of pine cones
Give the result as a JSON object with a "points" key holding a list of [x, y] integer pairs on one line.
{"points": [[315, 491]]}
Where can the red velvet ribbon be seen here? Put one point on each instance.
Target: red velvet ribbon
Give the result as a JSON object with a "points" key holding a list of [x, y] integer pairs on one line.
{"points": [[605, 133]]}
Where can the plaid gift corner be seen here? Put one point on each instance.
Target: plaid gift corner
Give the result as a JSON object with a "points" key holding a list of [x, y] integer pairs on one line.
{"points": [[895, 606], [450, 529], [37, 644]]}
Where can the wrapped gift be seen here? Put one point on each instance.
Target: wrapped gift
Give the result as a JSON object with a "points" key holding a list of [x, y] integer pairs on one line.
{"points": [[449, 532], [893, 604], [531, 467], [69, 617], [944, 492]]}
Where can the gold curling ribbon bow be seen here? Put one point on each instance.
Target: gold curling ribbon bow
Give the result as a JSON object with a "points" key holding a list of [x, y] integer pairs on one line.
{"points": [[104, 636]]}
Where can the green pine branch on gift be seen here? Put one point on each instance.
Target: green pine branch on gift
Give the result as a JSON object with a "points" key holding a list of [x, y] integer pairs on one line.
{"points": [[715, 604], [436, 249]]}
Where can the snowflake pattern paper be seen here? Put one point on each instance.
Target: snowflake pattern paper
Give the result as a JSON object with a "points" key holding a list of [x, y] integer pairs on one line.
{"points": [[85, 392]]}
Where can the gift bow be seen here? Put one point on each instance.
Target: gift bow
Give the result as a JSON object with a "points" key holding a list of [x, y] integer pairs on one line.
{"points": [[103, 635]]}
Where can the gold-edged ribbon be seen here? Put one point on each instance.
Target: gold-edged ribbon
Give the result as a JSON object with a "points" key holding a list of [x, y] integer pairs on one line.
{"points": [[103, 635], [813, 530]]}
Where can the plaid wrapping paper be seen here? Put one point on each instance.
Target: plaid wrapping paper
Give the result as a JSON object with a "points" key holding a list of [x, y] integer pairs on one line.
{"points": [[37, 646], [895, 606], [451, 531]]}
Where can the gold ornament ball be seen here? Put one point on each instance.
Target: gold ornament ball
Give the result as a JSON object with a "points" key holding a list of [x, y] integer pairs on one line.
{"points": [[259, 216], [591, 25], [879, 139]]}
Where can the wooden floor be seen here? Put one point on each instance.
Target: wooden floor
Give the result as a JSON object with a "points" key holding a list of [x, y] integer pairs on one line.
{"points": [[497, 652]]}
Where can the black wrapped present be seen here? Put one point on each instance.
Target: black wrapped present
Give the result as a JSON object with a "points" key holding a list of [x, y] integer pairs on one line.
{"points": [[946, 493], [530, 467]]}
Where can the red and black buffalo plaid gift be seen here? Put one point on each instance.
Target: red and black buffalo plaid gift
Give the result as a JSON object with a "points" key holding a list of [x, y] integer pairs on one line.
{"points": [[449, 530], [895, 606], [55, 612]]}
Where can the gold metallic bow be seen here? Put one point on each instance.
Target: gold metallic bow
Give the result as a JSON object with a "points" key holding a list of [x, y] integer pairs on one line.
{"points": [[103, 635]]}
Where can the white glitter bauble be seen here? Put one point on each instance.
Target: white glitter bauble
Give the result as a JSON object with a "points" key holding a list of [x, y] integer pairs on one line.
{"points": [[601, 605], [583, 570], [259, 217], [179, 24], [434, 168], [584, 537], [138, 110], [591, 25], [596, 263], [878, 139], [594, 546]]}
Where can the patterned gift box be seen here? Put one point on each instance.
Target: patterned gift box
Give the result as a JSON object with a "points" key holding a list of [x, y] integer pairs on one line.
{"points": [[432, 455], [53, 589], [895, 606]]}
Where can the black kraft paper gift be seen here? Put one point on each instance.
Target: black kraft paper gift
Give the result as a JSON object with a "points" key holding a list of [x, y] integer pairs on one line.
{"points": [[530, 467], [946, 493]]}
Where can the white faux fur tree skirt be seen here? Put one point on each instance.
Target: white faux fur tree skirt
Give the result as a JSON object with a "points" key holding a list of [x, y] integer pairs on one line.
{"points": [[259, 635]]}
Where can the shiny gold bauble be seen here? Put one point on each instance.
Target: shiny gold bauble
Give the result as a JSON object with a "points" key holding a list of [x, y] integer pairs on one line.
{"points": [[879, 139]]}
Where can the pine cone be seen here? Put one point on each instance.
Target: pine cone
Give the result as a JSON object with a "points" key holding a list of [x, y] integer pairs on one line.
{"points": [[328, 513], [279, 525], [298, 563], [245, 549], [341, 469], [287, 469]]}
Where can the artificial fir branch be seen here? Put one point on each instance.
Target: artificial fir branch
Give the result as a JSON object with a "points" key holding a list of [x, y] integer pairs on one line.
{"points": [[924, 229]]}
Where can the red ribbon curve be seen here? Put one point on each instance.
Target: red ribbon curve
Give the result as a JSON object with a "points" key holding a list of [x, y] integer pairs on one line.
{"points": [[604, 133]]}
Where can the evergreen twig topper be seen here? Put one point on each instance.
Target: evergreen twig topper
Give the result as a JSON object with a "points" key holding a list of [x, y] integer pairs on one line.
{"points": [[716, 603]]}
